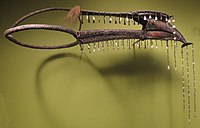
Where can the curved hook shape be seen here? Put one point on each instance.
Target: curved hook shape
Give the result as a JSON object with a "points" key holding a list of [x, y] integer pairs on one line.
{"points": [[37, 12]]}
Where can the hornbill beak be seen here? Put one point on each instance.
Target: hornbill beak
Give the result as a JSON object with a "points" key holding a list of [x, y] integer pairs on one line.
{"points": [[163, 31]]}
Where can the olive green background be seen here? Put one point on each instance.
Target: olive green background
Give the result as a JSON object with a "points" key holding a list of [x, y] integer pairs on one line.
{"points": [[106, 89]]}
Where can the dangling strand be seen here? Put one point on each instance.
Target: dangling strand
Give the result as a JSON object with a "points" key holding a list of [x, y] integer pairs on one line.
{"points": [[188, 83], [124, 21], [98, 46], [175, 48], [104, 19], [82, 48], [113, 44], [94, 49], [167, 47], [171, 44], [156, 43], [139, 44], [129, 44], [133, 44], [107, 44], [145, 44], [117, 44], [132, 19], [151, 43], [120, 19], [99, 18], [89, 48], [115, 19], [110, 19], [102, 45], [122, 43], [88, 18], [194, 81], [183, 78], [93, 19]]}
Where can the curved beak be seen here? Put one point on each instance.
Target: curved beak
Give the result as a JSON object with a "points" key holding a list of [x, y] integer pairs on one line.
{"points": [[163, 31]]}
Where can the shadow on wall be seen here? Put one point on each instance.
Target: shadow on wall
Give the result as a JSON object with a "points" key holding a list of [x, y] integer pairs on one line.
{"points": [[142, 65]]}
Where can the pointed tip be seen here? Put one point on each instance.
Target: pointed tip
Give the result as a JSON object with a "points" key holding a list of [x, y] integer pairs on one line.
{"points": [[186, 44]]}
